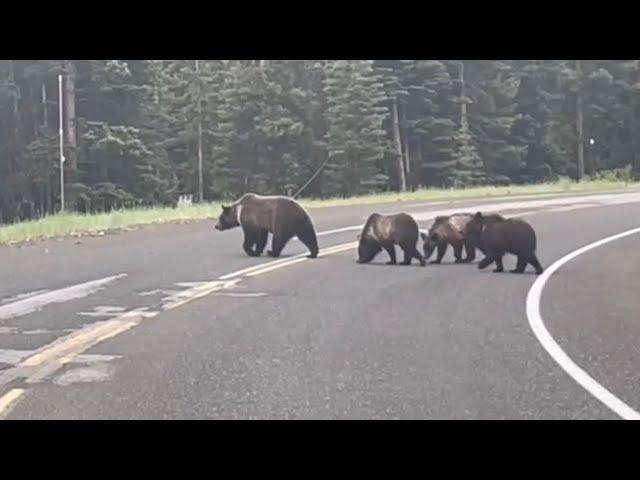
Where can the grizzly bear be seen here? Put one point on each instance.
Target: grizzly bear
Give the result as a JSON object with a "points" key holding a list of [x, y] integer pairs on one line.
{"points": [[385, 231], [259, 215], [445, 231], [498, 236]]}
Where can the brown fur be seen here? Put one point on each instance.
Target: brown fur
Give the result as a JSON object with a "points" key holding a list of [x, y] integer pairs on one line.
{"points": [[473, 235], [386, 231], [260, 215], [499, 236], [445, 231]]}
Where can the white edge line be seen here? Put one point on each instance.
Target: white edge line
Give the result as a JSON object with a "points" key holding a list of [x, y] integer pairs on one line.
{"points": [[551, 346]]}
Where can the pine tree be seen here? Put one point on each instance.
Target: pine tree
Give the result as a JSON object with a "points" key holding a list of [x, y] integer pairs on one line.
{"points": [[118, 147], [355, 138], [469, 169], [391, 73], [143, 127], [492, 88], [541, 125], [433, 89]]}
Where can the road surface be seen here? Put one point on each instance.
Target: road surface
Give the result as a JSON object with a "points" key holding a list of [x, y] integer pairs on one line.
{"points": [[176, 322]]}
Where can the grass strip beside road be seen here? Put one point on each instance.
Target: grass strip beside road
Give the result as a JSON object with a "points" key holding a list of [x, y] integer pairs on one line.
{"points": [[74, 224]]}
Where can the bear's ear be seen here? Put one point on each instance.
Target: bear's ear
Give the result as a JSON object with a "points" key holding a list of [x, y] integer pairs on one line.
{"points": [[225, 208], [423, 236], [478, 216]]}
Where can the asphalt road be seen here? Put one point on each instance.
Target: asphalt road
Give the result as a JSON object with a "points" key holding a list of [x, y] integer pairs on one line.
{"points": [[323, 338]]}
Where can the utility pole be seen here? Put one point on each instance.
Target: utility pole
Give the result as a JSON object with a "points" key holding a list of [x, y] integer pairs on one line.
{"points": [[200, 186], [61, 131]]}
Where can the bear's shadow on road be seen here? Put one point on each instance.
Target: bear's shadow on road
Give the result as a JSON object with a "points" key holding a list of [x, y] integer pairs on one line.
{"points": [[383, 264], [507, 272], [268, 258]]}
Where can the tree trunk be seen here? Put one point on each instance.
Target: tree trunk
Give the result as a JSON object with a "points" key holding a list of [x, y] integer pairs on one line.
{"points": [[200, 180], [46, 204], [200, 177], [71, 147], [635, 157], [464, 121], [402, 179], [422, 177], [579, 122], [33, 103], [407, 156], [13, 142], [407, 161], [45, 112], [48, 191]]}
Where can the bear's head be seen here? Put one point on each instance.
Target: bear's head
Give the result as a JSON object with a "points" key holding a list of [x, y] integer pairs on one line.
{"points": [[431, 241], [227, 219], [368, 247]]}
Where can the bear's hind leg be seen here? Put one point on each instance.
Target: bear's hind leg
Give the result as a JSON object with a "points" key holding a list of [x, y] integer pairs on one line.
{"points": [[442, 249], [521, 265], [533, 260], [499, 267], [391, 250], [416, 254], [471, 251], [263, 236], [408, 255], [457, 252], [277, 244], [486, 261], [307, 235]]}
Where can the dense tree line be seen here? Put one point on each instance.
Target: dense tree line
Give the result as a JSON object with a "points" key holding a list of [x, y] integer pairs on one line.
{"points": [[144, 132]]}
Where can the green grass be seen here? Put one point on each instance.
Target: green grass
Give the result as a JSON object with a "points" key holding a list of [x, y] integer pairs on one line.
{"points": [[474, 192], [71, 224], [77, 224]]}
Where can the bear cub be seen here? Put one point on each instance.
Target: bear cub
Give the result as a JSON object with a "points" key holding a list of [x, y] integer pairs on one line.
{"points": [[497, 236], [386, 231]]}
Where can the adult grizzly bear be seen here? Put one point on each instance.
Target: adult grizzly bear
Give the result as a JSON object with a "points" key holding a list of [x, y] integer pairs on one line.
{"points": [[445, 231], [385, 231], [260, 215], [499, 236]]}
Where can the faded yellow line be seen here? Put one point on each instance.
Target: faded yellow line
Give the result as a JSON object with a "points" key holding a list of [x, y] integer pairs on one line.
{"points": [[277, 266], [253, 268], [199, 292], [292, 261], [8, 401], [70, 346], [338, 248], [71, 343]]}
